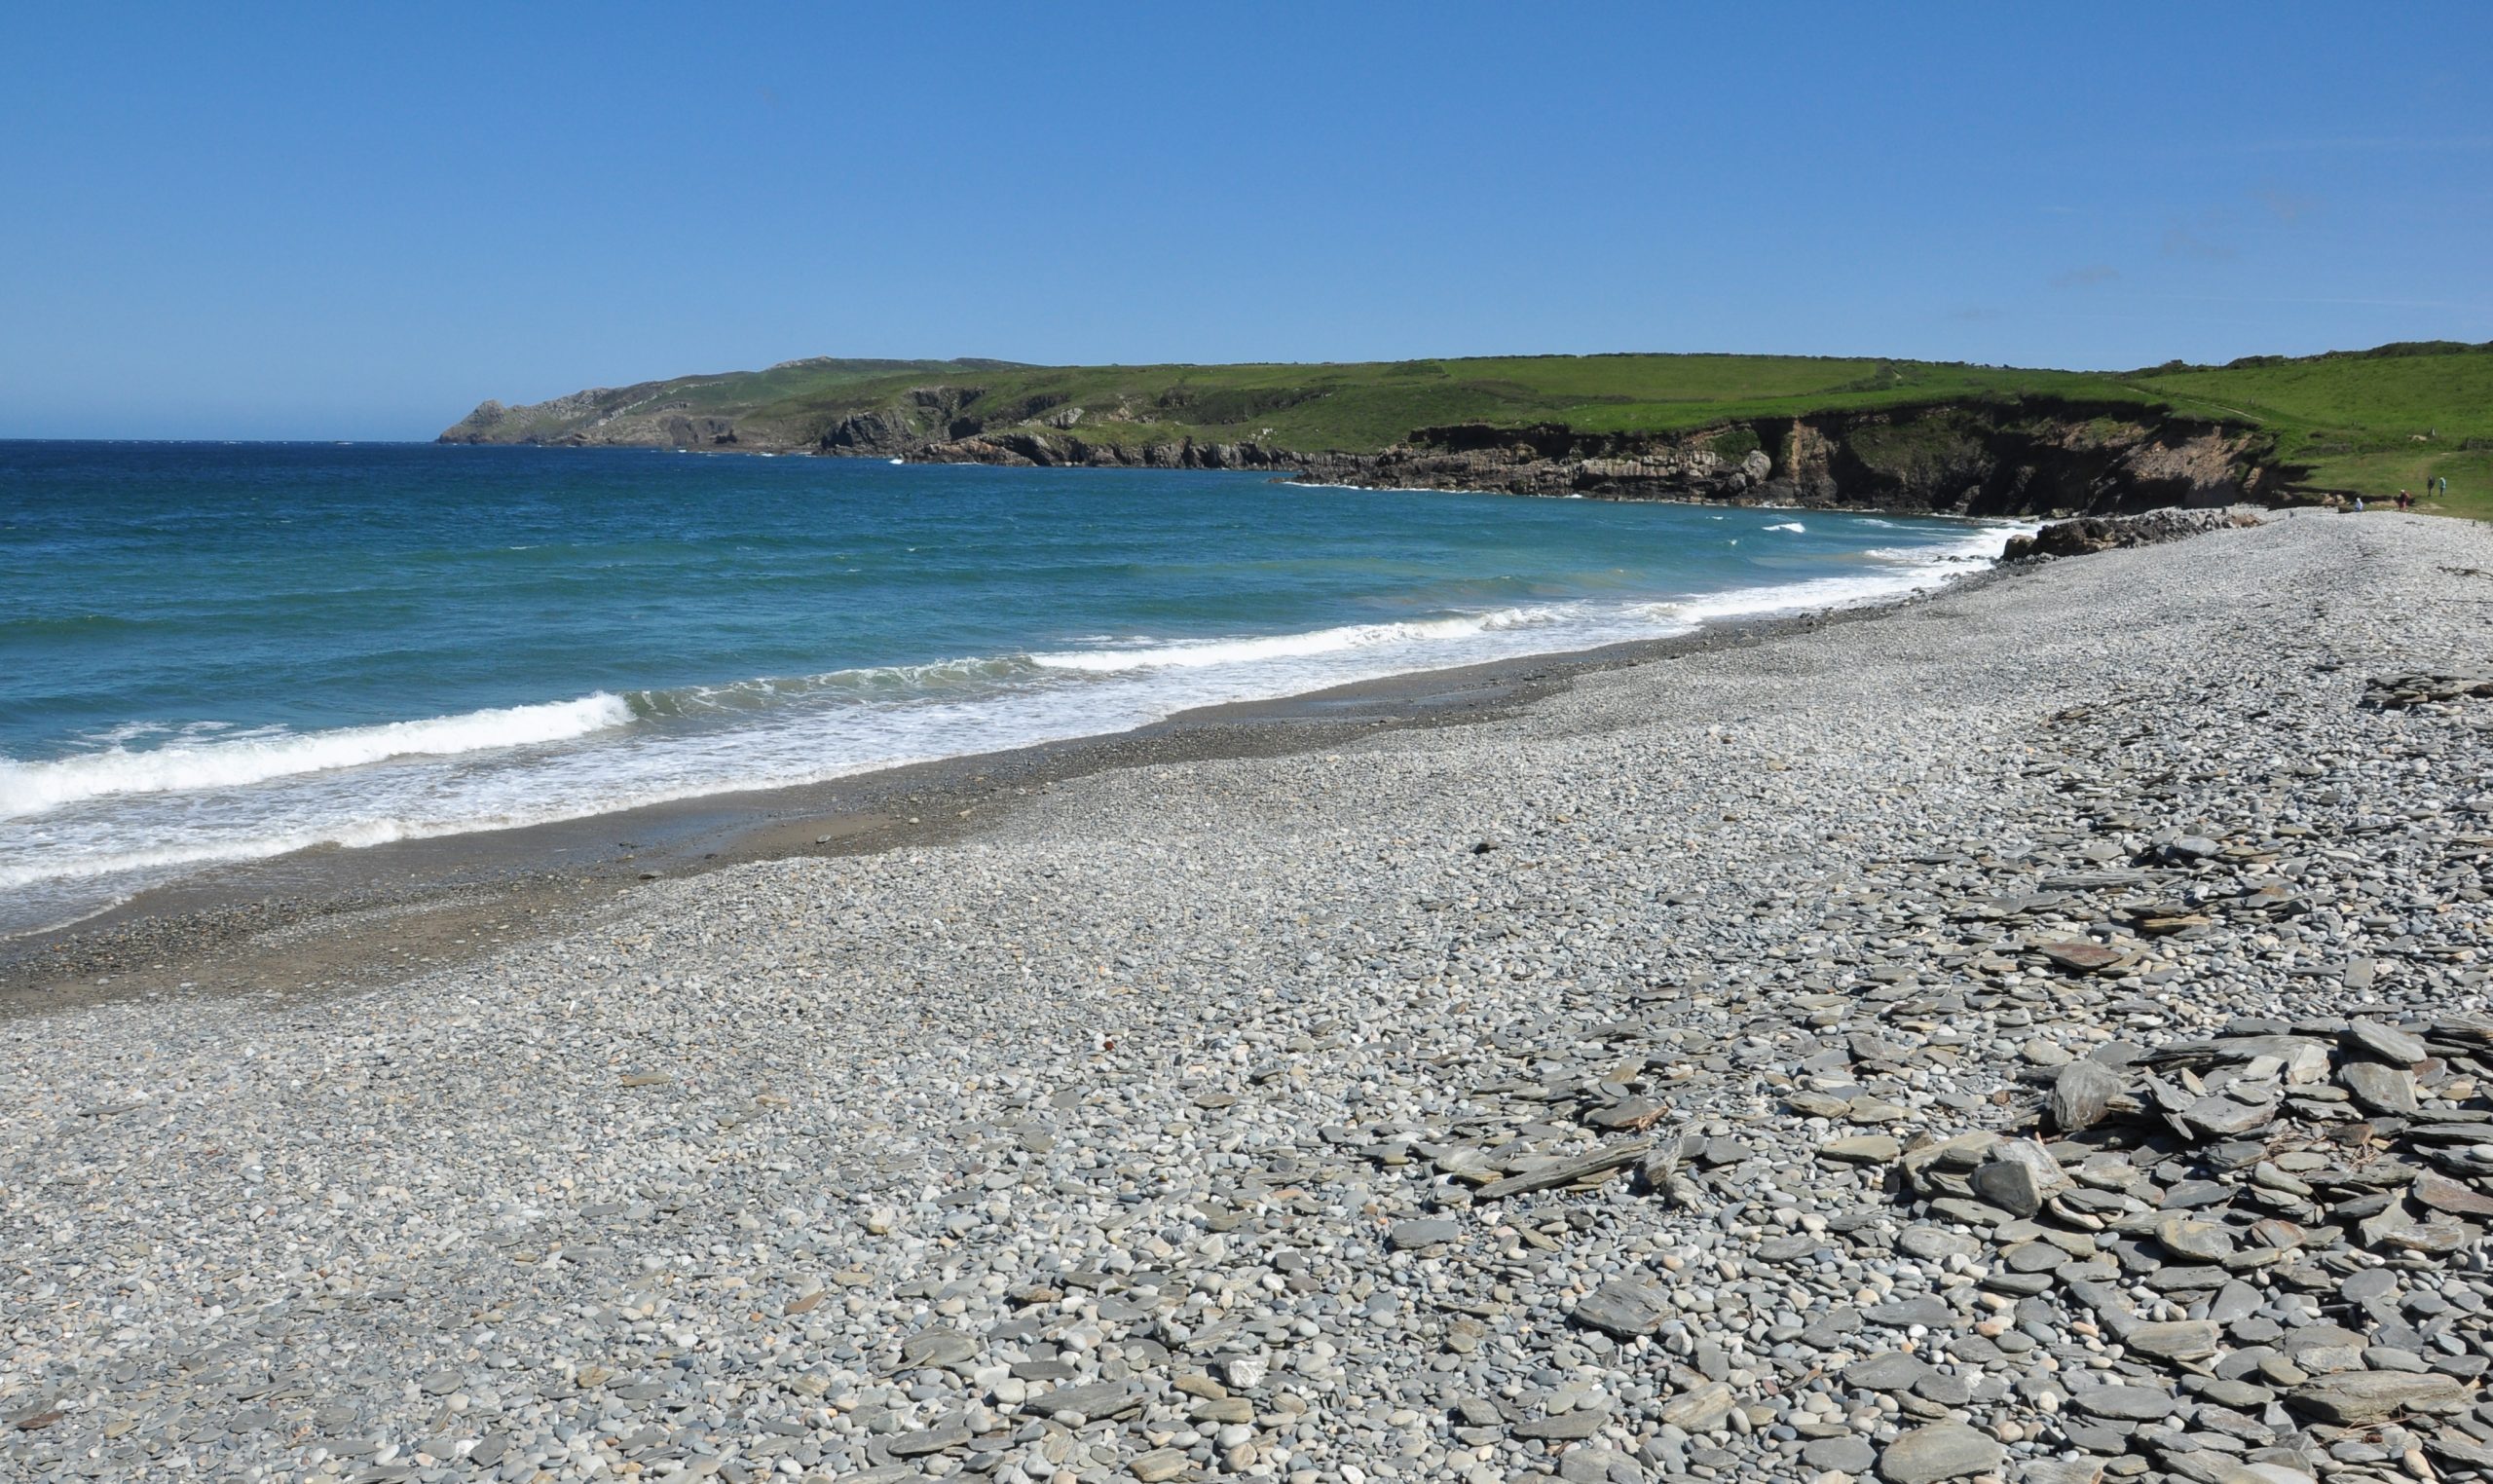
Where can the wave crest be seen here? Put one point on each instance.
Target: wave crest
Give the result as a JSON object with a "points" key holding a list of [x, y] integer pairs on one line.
{"points": [[1353, 636], [30, 788]]}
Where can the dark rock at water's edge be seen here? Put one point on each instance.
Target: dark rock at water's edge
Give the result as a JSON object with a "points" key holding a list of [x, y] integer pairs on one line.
{"points": [[2090, 534]]}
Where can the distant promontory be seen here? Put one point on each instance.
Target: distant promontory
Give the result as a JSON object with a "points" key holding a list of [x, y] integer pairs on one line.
{"points": [[1892, 434]]}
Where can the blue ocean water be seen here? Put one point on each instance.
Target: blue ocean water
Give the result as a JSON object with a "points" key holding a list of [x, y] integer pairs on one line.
{"points": [[214, 653]]}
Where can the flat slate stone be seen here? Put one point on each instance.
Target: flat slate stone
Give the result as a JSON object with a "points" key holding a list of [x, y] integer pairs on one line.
{"points": [[2436, 1235], [2177, 1340], [1096, 1399], [2441, 1193], [2365, 1398], [2205, 1240], [1791, 1248], [1627, 1114], [2078, 957], [937, 1346], [2125, 1403], [1567, 1426], [2381, 1089], [1888, 1371], [2385, 1043], [1700, 1409], [1593, 1465], [1626, 1308], [1844, 1455], [1941, 1450], [1929, 1312], [1932, 1243], [909, 1445], [2220, 1117], [1601, 1162], [1409, 1235]]}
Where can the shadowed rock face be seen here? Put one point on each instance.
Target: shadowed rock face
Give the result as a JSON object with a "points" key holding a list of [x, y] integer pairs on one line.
{"points": [[2005, 458], [2030, 456], [2010, 458]]}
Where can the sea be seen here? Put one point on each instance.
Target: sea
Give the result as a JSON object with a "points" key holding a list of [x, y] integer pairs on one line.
{"points": [[215, 652]]}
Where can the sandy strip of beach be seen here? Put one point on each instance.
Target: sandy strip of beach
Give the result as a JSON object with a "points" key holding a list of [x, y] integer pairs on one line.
{"points": [[1630, 1077]]}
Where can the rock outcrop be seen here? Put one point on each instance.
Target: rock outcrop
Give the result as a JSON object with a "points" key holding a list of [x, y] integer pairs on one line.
{"points": [[2023, 458], [2090, 533], [599, 418]]}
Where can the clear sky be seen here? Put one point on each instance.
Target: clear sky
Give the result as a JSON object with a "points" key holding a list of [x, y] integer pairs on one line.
{"points": [[358, 220]]}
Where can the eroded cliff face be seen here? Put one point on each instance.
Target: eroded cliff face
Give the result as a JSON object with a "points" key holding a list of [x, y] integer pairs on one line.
{"points": [[2020, 459], [2028, 457], [2012, 458], [961, 424]]}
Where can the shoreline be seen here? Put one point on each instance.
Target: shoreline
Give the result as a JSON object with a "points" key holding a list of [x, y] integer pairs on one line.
{"points": [[2041, 1025], [336, 919]]}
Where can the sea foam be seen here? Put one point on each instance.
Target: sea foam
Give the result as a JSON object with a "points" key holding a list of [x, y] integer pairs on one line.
{"points": [[235, 761]]}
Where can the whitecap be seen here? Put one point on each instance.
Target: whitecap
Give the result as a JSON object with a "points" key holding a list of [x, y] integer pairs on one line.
{"points": [[257, 757]]}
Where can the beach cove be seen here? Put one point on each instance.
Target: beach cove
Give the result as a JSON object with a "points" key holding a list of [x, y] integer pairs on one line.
{"points": [[1632, 1077]]}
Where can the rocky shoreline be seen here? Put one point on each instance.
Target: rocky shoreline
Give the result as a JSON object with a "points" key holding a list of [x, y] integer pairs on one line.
{"points": [[2028, 457], [2037, 1034], [2011, 456]]}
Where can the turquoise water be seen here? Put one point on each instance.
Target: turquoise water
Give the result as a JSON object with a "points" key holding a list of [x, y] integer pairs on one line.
{"points": [[213, 652]]}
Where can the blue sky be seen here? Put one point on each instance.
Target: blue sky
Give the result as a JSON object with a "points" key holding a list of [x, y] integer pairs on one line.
{"points": [[358, 221]]}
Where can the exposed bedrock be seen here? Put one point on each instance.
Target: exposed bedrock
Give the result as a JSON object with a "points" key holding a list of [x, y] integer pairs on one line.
{"points": [[2025, 458]]}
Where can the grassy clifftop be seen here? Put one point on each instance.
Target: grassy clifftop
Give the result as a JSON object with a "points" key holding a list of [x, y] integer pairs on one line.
{"points": [[2368, 422], [2372, 422]]}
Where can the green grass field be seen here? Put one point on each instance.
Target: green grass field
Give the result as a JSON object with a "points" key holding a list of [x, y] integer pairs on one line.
{"points": [[1365, 406], [2368, 422]]}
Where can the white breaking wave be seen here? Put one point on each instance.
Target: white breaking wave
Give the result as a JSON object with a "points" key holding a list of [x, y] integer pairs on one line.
{"points": [[119, 819], [30, 788], [1903, 571], [1981, 544], [1793, 526], [1356, 636]]}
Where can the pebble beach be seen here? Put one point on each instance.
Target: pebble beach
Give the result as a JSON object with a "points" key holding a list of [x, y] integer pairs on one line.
{"points": [[2037, 1033]]}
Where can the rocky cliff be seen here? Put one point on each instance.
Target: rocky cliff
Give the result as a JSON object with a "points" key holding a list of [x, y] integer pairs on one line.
{"points": [[965, 425], [2028, 456], [2020, 458]]}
